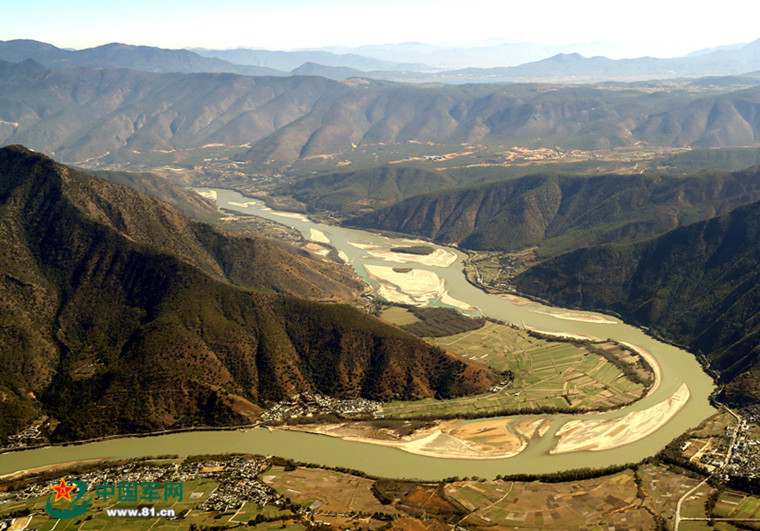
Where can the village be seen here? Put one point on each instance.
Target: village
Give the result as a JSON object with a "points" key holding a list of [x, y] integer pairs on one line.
{"points": [[308, 405]]}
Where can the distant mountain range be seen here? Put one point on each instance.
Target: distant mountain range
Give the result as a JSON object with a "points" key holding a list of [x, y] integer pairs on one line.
{"points": [[115, 55], [412, 62], [121, 314], [291, 60], [83, 114]]}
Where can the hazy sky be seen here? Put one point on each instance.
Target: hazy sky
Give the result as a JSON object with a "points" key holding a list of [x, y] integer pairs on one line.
{"points": [[657, 27]]}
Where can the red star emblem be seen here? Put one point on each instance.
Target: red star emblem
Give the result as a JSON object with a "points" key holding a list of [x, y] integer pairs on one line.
{"points": [[63, 490]]}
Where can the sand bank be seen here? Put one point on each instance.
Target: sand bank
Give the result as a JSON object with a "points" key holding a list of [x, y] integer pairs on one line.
{"points": [[454, 439], [595, 435], [517, 301], [208, 194], [438, 258], [418, 286], [651, 360], [318, 236], [343, 256], [317, 249]]}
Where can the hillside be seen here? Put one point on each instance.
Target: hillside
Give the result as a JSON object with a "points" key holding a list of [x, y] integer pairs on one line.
{"points": [[81, 114], [120, 314], [348, 192], [698, 285], [113, 116], [561, 212], [188, 202]]}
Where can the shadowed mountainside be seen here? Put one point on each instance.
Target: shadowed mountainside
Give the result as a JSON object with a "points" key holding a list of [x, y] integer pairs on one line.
{"points": [[560, 212], [349, 192], [119, 314]]}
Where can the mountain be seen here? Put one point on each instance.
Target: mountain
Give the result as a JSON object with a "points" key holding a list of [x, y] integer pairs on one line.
{"points": [[188, 202], [500, 54], [698, 285], [118, 116], [120, 314], [354, 191], [330, 72], [80, 114], [290, 60], [116, 55], [559, 213], [531, 63]]}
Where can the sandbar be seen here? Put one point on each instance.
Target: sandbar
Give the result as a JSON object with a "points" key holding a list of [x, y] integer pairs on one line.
{"points": [[343, 256], [417, 286], [596, 435], [454, 439], [318, 236], [438, 258], [582, 317], [363, 245]]}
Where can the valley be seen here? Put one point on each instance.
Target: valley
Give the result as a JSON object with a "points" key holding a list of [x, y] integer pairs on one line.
{"points": [[385, 287]]}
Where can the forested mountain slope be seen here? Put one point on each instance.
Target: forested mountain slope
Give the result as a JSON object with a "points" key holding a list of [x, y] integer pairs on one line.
{"points": [[120, 314]]}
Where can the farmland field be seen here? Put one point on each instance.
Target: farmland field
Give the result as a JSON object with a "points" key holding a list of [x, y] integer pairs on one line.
{"points": [[545, 374]]}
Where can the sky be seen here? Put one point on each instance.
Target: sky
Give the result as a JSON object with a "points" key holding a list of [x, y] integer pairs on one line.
{"points": [[662, 28]]}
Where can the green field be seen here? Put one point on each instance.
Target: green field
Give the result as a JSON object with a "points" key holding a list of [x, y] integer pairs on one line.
{"points": [[547, 374], [398, 316]]}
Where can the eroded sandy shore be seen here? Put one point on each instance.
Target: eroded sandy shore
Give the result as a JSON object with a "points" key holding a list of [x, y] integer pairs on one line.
{"points": [[318, 236], [438, 258], [596, 435]]}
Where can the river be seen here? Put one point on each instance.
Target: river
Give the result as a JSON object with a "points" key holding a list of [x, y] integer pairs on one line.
{"points": [[677, 365]]}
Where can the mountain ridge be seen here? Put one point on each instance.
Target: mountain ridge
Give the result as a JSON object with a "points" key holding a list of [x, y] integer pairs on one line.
{"points": [[559, 212], [109, 328]]}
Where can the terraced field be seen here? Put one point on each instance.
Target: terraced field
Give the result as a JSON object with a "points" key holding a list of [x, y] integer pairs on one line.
{"points": [[545, 375], [552, 505]]}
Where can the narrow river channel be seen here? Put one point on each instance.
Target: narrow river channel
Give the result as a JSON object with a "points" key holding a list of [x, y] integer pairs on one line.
{"points": [[678, 367]]}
